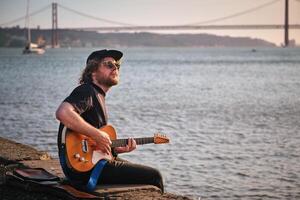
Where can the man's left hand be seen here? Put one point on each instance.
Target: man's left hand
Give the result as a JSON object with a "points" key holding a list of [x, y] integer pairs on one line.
{"points": [[128, 148]]}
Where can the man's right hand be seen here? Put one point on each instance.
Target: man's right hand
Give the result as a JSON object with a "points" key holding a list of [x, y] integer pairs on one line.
{"points": [[103, 142]]}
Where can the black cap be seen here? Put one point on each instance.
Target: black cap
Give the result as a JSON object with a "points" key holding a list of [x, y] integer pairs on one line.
{"points": [[100, 54]]}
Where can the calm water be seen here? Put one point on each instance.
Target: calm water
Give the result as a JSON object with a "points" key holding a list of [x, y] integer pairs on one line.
{"points": [[233, 115]]}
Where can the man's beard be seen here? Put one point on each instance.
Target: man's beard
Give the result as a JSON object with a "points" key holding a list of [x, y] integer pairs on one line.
{"points": [[108, 82]]}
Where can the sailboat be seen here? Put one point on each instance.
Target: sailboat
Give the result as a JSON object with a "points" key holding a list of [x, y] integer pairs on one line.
{"points": [[31, 48]]}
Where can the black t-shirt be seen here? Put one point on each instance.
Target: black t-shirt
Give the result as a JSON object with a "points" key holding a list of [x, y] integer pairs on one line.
{"points": [[89, 101]]}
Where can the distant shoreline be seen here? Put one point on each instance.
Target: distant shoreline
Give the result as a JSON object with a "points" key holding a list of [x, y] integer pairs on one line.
{"points": [[14, 37]]}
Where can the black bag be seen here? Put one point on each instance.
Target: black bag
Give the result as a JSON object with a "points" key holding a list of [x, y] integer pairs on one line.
{"points": [[40, 180]]}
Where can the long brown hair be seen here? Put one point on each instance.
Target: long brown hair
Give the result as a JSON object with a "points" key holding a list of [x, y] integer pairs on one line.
{"points": [[86, 75]]}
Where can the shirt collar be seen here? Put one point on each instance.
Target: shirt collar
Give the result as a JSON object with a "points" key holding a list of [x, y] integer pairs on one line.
{"points": [[99, 89]]}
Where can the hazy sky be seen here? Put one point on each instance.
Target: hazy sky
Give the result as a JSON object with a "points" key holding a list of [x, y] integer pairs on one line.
{"points": [[160, 12]]}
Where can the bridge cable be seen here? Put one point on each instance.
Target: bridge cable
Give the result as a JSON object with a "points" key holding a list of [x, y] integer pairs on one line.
{"points": [[23, 17], [233, 15], [95, 18]]}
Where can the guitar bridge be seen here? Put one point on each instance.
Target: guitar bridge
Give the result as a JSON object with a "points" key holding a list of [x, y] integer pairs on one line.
{"points": [[84, 144]]}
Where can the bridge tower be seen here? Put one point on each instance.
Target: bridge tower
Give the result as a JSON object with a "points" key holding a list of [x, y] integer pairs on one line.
{"points": [[54, 26], [286, 24]]}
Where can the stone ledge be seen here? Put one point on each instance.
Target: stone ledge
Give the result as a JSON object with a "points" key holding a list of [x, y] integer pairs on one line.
{"points": [[12, 152]]}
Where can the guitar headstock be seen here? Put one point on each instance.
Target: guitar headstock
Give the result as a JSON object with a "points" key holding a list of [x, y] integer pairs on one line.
{"points": [[160, 139]]}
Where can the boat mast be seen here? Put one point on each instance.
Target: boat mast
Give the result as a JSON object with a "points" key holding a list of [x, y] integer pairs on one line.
{"points": [[28, 24]]}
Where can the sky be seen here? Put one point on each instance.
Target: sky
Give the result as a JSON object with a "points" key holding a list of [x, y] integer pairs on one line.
{"points": [[160, 12]]}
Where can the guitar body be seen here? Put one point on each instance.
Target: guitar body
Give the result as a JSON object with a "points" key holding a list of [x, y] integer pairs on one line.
{"points": [[81, 153]]}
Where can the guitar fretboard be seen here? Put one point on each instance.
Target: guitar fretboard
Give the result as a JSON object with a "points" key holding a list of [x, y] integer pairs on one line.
{"points": [[139, 141]]}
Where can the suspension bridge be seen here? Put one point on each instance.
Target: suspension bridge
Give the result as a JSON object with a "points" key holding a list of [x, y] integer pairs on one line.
{"points": [[204, 25]]}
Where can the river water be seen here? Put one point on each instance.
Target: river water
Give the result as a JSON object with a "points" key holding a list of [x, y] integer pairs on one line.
{"points": [[232, 114]]}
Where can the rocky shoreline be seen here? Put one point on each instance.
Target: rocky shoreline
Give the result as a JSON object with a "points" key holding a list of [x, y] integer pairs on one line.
{"points": [[14, 156]]}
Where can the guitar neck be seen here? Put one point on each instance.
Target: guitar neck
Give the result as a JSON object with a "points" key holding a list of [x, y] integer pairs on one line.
{"points": [[139, 141]]}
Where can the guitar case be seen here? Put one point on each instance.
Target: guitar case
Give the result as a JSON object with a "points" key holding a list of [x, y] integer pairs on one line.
{"points": [[40, 180]]}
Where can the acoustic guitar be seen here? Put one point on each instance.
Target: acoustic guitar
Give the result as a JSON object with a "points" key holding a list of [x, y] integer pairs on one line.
{"points": [[82, 154]]}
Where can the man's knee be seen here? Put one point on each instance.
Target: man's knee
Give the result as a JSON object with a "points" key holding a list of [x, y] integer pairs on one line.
{"points": [[158, 180]]}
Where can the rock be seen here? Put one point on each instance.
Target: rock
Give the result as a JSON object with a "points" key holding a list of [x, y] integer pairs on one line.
{"points": [[11, 152]]}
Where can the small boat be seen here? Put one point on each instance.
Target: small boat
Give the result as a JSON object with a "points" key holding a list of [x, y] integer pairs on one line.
{"points": [[31, 48]]}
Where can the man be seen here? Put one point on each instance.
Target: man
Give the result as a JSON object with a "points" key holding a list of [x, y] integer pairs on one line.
{"points": [[84, 111]]}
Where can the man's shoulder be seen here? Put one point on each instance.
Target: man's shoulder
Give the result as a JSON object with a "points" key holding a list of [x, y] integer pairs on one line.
{"points": [[84, 88]]}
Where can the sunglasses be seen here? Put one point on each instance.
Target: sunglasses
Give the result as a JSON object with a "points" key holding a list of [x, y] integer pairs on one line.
{"points": [[112, 64]]}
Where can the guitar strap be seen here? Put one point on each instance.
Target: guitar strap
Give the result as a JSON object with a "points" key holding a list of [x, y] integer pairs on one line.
{"points": [[101, 104], [91, 185], [95, 174]]}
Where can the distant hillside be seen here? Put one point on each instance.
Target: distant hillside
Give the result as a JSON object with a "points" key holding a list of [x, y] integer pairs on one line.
{"points": [[15, 37]]}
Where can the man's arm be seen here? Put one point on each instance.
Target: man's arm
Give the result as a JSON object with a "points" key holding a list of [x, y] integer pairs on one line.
{"points": [[67, 115]]}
